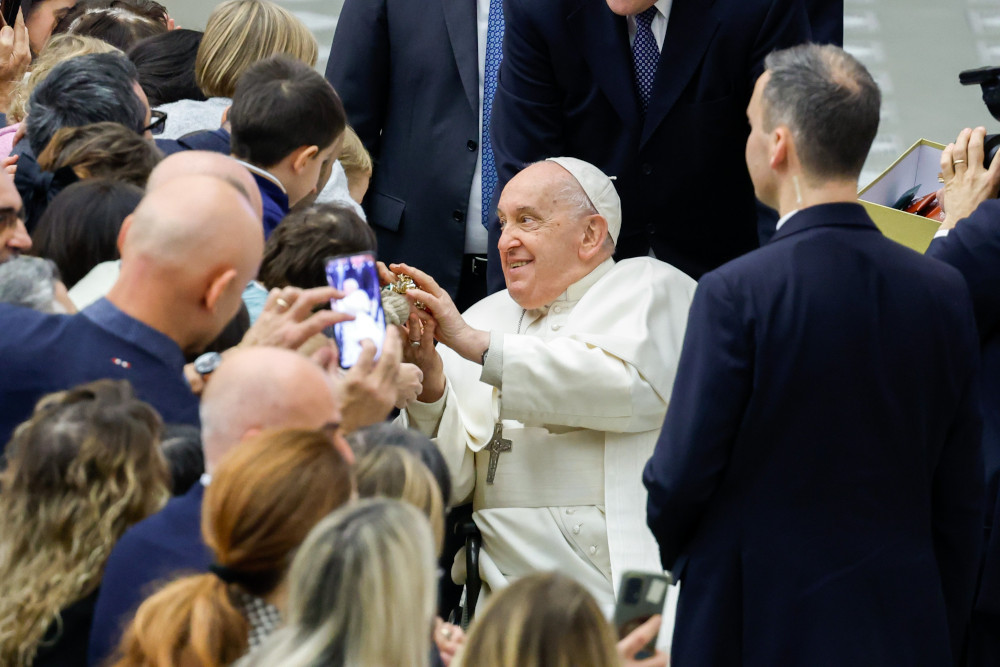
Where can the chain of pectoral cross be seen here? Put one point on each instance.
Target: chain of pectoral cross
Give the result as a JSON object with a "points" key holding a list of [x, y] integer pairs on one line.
{"points": [[498, 444]]}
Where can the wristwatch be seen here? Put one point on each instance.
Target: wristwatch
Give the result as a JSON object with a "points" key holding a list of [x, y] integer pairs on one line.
{"points": [[206, 364]]}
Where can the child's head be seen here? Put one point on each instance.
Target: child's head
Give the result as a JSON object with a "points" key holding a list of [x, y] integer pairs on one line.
{"points": [[357, 164], [287, 119]]}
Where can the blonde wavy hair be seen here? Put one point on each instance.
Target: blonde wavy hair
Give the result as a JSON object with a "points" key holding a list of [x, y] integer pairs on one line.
{"points": [[542, 620], [265, 497], [240, 33], [373, 559], [81, 470], [58, 49], [388, 471]]}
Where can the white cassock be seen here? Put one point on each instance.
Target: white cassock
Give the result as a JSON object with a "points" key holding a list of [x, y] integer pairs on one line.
{"points": [[582, 392]]}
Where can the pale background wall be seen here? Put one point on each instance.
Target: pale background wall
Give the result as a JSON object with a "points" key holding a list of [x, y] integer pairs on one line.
{"points": [[914, 48]]}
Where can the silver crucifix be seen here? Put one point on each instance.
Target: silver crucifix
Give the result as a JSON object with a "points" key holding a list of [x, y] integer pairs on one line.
{"points": [[496, 447]]}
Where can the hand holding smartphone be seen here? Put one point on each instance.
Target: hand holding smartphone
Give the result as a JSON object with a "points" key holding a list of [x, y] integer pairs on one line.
{"points": [[357, 277], [641, 596], [9, 10]]}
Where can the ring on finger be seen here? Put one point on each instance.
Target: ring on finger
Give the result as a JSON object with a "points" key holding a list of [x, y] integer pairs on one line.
{"points": [[414, 343], [281, 302], [445, 632], [958, 161]]}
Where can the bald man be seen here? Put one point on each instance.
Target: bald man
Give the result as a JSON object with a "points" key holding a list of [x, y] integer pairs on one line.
{"points": [[187, 252], [253, 390], [98, 281]]}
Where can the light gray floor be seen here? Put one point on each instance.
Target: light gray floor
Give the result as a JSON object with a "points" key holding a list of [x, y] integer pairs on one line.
{"points": [[914, 48]]}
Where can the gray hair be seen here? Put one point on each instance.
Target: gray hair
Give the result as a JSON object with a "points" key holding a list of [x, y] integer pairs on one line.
{"points": [[576, 199], [30, 282], [87, 89], [830, 103], [373, 559]]}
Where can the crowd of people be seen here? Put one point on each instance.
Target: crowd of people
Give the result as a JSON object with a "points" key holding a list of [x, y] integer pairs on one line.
{"points": [[598, 365]]}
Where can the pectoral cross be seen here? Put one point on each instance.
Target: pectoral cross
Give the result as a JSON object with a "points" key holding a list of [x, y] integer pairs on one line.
{"points": [[496, 447]]}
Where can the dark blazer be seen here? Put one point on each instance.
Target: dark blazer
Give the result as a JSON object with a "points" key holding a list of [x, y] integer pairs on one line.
{"points": [[817, 485], [566, 88], [408, 74], [65, 641], [973, 247], [153, 551]]}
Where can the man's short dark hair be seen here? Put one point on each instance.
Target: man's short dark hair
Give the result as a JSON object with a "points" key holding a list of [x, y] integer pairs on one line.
{"points": [[281, 104], [830, 103], [87, 89]]}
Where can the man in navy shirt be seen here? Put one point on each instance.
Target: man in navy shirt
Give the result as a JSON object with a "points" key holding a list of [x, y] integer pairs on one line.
{"points": [[187, 252]]}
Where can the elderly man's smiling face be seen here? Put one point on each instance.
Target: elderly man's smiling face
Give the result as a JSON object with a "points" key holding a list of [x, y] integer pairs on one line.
{"points": [[543, 235]]}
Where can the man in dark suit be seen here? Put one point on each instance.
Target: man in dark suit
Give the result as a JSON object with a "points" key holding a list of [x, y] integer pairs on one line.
{"points": [[817, 483], [407, 73], [576, 78], [252, 390], [969, 240]]}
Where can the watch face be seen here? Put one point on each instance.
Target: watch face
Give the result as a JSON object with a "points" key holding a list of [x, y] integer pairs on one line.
{"points": [[207, 362]]}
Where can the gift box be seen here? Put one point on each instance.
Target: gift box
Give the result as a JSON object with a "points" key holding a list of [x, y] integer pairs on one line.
{"points": [[917, 169]]}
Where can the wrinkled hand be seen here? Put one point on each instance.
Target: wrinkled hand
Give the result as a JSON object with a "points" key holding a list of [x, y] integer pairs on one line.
{"points": [[967, 183], [448, 638], [638, 638], [15, 56], [418, 349], [288, 320], [369, 389], [451, 329], [409, 384]]}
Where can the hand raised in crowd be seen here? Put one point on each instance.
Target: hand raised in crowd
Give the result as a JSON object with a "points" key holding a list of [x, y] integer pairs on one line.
{"points": [[633, 643], [409, 384], [448, 638], [15, 56], [451, 329], [369, 390], [288, 320], [967, 183], [9, 164]]}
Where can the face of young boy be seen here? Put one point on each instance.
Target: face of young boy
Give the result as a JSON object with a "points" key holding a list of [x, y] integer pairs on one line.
{"points": [[308, 181]]}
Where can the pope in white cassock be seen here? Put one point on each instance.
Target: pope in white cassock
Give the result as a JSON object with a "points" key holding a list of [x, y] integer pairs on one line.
{"points": [[548, 397]]}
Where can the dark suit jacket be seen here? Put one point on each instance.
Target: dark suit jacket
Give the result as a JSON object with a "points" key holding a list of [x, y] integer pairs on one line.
{"points": [[566, 88], [817, 484], [408, 74], [151, 552], [973, 247]]}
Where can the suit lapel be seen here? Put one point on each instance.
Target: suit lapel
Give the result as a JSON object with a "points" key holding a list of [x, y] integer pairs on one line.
{"points": [[690, 29], [460, 19], [602, 38]]}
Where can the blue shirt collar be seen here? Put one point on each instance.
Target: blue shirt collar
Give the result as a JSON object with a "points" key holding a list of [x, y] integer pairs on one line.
{"points": [[107, 316]]}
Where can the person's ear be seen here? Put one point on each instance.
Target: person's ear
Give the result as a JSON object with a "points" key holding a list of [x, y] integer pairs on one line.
{"points": [[301, 156], [781, 145], [594, 233], [217, 287], [126, 224]]}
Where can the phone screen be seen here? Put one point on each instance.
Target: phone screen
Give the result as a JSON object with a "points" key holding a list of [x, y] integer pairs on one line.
{"points": [[641, 595], [357, 277]]}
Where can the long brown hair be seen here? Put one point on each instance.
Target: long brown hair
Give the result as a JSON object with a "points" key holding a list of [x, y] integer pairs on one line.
{"points": [[542, 620], [81, 470], [265, 497]]}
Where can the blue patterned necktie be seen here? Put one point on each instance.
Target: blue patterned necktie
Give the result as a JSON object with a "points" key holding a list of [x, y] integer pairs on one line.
{"points": [[645, 56], [494, 52]]}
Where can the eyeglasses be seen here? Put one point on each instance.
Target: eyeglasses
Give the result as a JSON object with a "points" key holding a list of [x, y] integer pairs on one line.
{"points": [[158, 120]]}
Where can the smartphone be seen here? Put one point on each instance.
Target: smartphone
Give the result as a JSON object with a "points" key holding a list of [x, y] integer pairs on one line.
{"points": [[357, 277], [641, 595], [9, 9]]}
